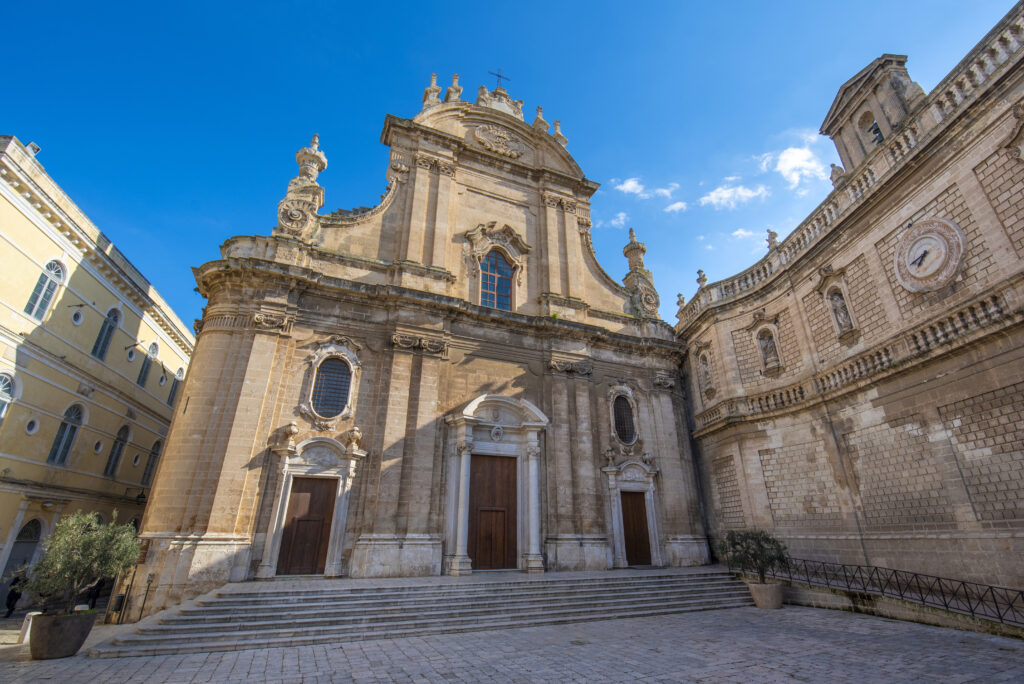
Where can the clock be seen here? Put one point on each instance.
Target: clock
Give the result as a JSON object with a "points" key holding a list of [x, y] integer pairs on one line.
{"points": [[929, 255]]}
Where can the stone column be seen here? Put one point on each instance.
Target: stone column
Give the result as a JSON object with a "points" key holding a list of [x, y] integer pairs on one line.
{"points": [[534, 561], [268, 564], [461, 563], [19, 517], [553, 259]]}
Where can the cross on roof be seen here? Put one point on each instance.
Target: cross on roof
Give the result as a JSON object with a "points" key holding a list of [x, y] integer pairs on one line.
{"points": [[497, 74]]}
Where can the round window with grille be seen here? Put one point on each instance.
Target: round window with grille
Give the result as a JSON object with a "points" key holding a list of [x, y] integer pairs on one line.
{"points": [[331, 387], [625, 428]]}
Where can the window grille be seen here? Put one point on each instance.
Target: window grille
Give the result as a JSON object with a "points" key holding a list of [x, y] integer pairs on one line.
{"points": [[154, 455], [99, 349], [624, 426], [114, 460], [331, 388], [46, 286], [65, 435], [6, 394], [496, 281]]}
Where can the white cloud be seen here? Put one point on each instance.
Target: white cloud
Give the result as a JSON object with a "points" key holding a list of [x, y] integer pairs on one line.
{"points": [[728, 197], [620, 219], [676, 206], [740, 233], [764, 161], [797, 164], [700, 237], [709, 246], [731, 179], [633, 186]]}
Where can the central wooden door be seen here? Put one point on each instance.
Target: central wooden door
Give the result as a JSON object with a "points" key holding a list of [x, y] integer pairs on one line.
{"points": [[492, 512], [635, 532], [307, 526]]}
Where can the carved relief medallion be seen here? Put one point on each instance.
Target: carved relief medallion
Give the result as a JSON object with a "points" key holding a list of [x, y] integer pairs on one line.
{"points": [[499, 140], [929, 254]]}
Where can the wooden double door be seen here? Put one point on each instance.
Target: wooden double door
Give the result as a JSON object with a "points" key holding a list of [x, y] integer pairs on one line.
{"points": [[635, 531], [492, 512], [307, 527]]}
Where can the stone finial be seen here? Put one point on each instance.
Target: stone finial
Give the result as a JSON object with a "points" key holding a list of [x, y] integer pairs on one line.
{"points": [[311, 160], [454, 91], [431, 95], [680, 300], [773, 239], [634, 251], [702, 279], [539, 123], [557, 135], [838, 175]]}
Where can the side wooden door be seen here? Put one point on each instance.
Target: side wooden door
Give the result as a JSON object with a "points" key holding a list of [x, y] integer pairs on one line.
{"points": [[307, 527], [492, 512], [635, 532]]}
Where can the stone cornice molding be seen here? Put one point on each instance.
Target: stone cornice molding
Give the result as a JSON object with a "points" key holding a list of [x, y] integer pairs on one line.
{"points": [[967, 324]]}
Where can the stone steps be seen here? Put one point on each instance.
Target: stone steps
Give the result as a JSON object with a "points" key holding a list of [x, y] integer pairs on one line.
{"points": [[258, 616]]}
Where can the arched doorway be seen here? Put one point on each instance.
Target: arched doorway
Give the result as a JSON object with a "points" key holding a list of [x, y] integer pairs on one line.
{"points": [[24, 547], [493, 487]]}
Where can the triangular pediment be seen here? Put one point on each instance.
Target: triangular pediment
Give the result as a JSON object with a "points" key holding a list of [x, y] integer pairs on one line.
{"points": [[855, 90]]}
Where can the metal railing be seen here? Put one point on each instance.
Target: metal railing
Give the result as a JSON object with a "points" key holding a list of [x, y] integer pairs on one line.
{"points": [[998, 604]]}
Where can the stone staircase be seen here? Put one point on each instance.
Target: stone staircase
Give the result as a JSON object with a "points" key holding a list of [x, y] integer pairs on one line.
{"points": [[317, 611]]}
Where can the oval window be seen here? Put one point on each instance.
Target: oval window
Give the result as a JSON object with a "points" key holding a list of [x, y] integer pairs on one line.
{"points": [[330, 390], [624, 426]]}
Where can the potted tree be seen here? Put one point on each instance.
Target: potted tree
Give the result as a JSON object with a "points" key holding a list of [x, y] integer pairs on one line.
{"points": [[757, 552], [80, 552]]}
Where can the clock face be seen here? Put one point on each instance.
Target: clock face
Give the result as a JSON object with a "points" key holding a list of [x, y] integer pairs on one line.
{"points": [[929, 255]]}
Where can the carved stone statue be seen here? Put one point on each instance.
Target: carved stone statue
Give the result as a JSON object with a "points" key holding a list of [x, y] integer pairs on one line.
{"points": [[773, 239], [701, 278], [840, 311], [288, 435], [769, 353], [352, 438], [704, 368]]}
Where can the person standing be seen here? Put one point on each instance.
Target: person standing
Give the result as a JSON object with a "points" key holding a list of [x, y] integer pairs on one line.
{"points": [[14, 593]]}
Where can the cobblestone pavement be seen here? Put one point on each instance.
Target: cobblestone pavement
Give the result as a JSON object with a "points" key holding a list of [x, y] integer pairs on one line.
{"points": [[736, 645]]}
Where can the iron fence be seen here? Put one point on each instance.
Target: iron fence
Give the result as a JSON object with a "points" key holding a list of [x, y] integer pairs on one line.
{"points": [[998, 604]]}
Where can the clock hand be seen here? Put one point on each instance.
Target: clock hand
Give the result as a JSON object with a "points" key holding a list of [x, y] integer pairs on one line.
{"points": [[919, 260]]}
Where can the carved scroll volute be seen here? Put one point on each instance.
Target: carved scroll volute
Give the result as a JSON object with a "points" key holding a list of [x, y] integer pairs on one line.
{"points": [[296, 213]]}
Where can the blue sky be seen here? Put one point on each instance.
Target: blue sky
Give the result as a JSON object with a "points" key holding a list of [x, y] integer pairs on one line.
{"points": [[174, 126]]}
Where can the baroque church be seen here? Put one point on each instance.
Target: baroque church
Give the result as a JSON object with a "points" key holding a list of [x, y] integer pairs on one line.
{"points": [[449, 382]]}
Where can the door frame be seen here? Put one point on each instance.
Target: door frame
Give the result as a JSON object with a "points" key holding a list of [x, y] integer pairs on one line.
{"points": [[315, 457], [632, 476], [494, 425]]}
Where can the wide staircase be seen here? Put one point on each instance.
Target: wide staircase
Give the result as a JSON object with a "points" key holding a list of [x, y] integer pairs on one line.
{"points": [[317, 611]]}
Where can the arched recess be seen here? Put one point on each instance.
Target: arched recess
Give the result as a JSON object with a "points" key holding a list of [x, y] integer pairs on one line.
{"points": [[632, 477], [25, 546], [321, 458], [494, 425]]}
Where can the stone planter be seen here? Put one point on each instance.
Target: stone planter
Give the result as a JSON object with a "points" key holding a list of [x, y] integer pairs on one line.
{"points": [[766, 595], [59, 636]]}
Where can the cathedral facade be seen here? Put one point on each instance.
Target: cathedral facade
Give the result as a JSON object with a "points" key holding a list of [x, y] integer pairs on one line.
{"points": [[444, 383], [449, 382]]}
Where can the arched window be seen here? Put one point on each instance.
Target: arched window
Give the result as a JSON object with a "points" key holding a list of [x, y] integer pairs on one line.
{"points": [[6, 394], [154, 349], [496, 281], [66, 435], [46, 286], [178, 377], [99, 349], [154, 456], [331, 388], [116, 450], [625, 428]]}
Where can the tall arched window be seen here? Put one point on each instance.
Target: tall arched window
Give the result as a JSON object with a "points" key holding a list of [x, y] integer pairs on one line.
{"points": [[6, 394], [46, 286], [99, 349], [154, 456], [496, 281], [175, 383], [116, 450], [331, 387], [625, 428], [147, 362], [66, 434]]}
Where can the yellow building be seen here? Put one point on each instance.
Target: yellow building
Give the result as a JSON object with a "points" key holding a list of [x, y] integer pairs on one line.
{"points": [[91, 360]]}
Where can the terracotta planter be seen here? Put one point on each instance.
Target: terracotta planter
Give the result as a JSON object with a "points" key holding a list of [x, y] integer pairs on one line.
{"points": [[59, 636], [766, 595]]}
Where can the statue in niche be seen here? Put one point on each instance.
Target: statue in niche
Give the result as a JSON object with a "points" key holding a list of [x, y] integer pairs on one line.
{"points": [[705, 371], [840, 311], [769, 352]]}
